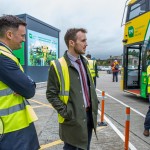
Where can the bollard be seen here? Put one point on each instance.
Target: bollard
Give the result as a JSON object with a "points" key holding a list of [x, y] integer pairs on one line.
{"points": [[127, 126], [103, 94], [102, 123], [102, 110]]}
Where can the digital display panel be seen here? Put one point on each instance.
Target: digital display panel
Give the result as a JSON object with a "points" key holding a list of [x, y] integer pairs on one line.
{"points": [[20, 54], [41, 48]]}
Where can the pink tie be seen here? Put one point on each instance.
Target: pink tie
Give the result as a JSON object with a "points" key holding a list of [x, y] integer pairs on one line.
{"points": [[84, 83]]}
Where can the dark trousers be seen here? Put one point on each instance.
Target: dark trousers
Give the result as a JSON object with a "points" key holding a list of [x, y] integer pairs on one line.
{"points": [[115, 76], [89, 127], [94, 78], [23, 139], [147, 119]]}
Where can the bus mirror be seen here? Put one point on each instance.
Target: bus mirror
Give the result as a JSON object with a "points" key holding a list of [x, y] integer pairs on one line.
{"points": [[124, 40]]}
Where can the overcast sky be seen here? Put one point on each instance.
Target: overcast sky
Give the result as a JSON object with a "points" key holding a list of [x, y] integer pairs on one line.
{"points": [[102, 19]]}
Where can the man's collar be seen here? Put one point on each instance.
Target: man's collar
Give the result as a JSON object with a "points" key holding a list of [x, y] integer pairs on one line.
{"points": [[69, 61], [1, 43], [71, 57]]}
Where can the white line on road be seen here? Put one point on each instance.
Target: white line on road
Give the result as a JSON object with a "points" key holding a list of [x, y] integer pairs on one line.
{"points": [[117, 131], [123, 104]]}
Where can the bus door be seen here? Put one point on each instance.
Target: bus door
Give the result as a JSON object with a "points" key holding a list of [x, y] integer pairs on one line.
{"points": [[133, 69]]}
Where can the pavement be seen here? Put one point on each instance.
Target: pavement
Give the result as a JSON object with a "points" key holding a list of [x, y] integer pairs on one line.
{"points": [[47, 127]]}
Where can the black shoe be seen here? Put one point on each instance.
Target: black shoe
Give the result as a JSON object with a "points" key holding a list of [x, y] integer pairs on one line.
{"points": [[146, 132]]}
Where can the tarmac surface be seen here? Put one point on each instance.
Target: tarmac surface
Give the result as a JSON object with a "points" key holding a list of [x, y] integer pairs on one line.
{"points": [[47, 127]]}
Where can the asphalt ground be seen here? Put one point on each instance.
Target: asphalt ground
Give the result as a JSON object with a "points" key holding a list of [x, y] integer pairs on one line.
{"points": [[47, 126]]}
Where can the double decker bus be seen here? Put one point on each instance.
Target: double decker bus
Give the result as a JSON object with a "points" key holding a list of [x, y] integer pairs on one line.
{"points": [[136, 51]]}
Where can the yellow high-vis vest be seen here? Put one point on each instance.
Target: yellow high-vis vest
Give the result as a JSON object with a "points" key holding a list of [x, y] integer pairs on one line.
{"points": [[62, 72], [15, 110], [148, 75], [92, 67], [61, 69]]}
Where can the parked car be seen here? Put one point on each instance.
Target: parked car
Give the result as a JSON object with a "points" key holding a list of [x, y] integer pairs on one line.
{"points": [[105, 68], [109, 71], [99, 68], [131, 67]]}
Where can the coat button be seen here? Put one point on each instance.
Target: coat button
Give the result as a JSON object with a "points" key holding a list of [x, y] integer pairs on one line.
{"points": [[80, 91], [83, 106], [84, 120]]}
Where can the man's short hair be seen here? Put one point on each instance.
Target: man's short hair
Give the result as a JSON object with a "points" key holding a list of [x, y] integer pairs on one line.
{"points": [[9, 21], [71, 34]]}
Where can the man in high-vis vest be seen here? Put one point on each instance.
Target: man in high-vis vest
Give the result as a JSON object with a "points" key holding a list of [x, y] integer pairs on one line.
{"points": [[147, 119], [15, 87], [93, 68], [71, 92]]}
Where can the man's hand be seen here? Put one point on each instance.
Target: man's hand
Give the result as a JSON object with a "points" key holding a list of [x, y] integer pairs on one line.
{"points": [[16, 94]]}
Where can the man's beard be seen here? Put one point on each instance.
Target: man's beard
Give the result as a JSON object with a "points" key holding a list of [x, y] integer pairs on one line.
{"points": [[16, 47], [79, 51]]}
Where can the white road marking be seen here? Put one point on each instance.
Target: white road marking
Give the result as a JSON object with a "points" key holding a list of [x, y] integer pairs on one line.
{"points": [[131, 146], [123, 104]]}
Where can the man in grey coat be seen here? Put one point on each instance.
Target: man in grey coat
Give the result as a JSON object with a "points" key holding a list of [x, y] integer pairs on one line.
{"points": [[80, 112]]}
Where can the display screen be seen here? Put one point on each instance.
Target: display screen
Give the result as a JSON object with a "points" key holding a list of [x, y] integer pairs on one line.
{"points": [[41, 48], [20, 54]]}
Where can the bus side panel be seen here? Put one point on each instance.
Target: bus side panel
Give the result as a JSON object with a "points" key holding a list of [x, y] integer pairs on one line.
{"points": [[136, 29]]}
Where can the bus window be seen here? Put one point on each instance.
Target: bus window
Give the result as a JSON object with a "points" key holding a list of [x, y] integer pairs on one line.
{"points": [[137, 9], [148, 58], [133, 68], [133, 59]]}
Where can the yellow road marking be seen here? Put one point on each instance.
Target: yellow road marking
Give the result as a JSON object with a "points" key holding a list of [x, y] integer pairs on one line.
{"points": [[44, 146], [51, 144], [41, 103]]}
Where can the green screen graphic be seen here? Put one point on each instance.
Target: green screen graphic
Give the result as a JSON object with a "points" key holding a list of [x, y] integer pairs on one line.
{"points": [[20, 54], [42, 49]]}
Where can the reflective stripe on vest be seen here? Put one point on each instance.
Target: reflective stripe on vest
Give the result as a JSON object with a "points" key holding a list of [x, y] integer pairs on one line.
{"points": [[61, 75], [14, 108], [62, 72], [148, 74], [92, 67], [148, 87], [7, 53], [6, 92]]}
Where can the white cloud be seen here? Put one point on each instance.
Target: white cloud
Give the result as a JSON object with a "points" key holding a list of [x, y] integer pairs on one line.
{"points": [[101, 18]]}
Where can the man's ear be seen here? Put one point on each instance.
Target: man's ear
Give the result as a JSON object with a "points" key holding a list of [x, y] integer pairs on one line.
{"points": [[9, 34], [71, 43]]}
